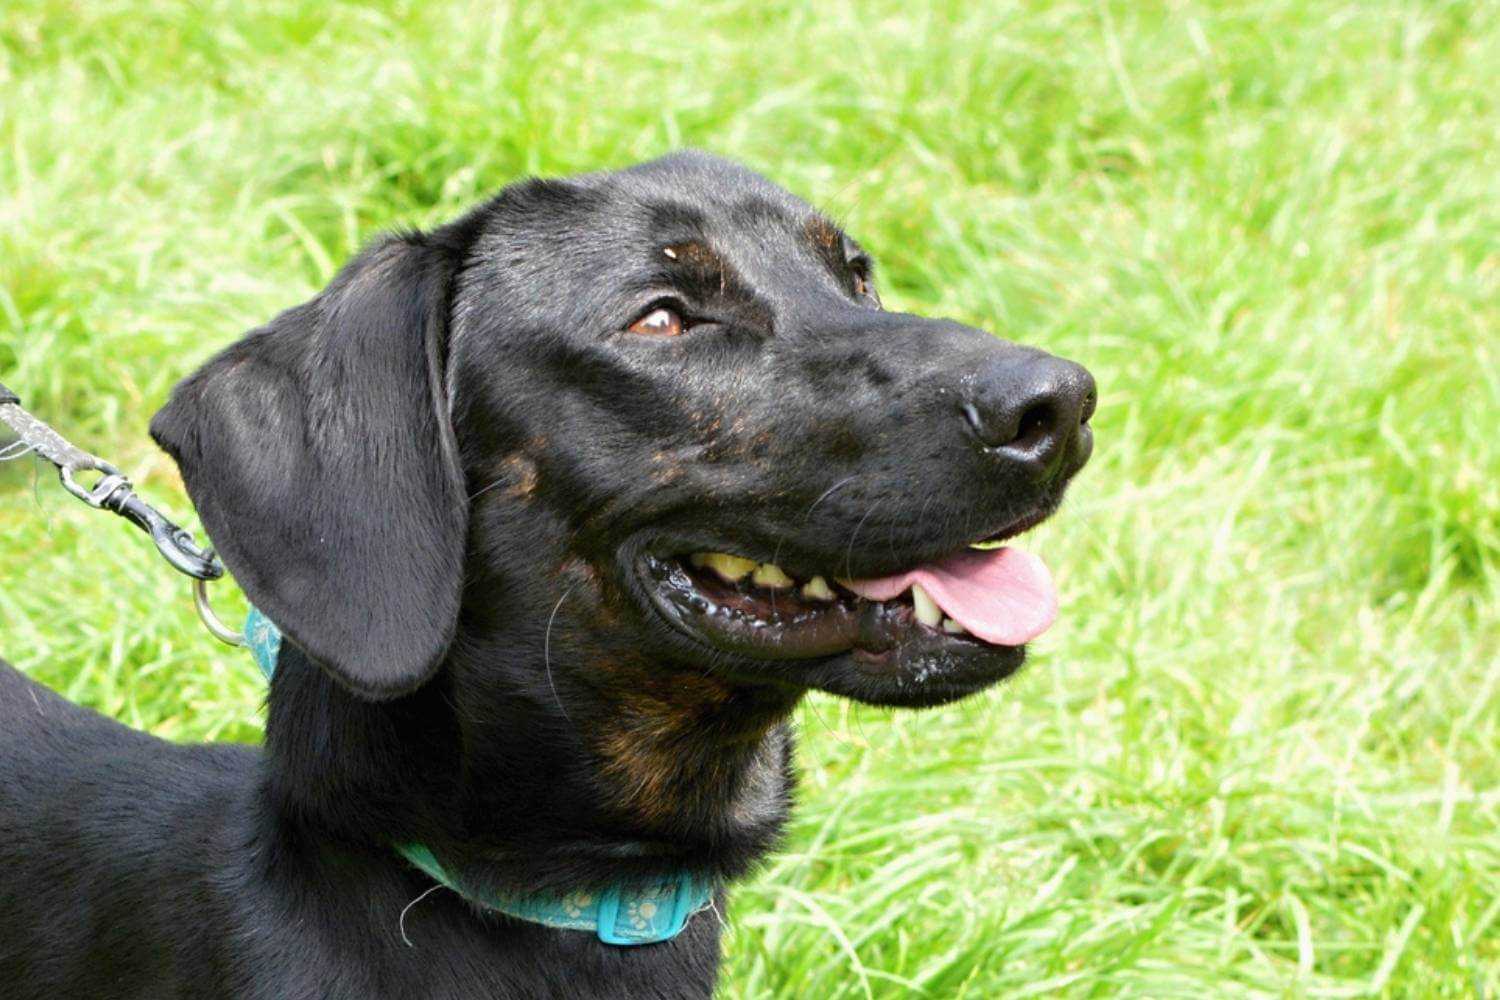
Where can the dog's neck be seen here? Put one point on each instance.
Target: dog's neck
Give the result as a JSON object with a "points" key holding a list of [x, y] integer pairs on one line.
{"points": [[677, 773]]}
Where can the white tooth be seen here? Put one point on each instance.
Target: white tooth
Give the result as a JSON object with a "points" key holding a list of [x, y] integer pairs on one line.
{"points": [[731, 568], [954, 628], [770, 575], [928, 613], [817, 589]]}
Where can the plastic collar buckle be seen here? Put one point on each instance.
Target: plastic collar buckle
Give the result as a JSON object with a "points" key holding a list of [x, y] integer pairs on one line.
{"points": [[658, 930]]}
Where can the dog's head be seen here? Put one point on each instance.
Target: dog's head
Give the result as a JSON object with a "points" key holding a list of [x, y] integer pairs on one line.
{"points": [[628, 435]]}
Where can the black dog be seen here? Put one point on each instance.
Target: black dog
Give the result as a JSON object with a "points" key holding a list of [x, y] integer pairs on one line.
{"points": [[561, 507]]}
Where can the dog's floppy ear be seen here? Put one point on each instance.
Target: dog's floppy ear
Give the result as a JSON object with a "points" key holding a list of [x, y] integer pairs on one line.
{"points": [[319, 452]]}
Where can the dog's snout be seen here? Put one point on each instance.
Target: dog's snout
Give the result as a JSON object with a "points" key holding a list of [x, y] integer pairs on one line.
{"points": [[1034, 414]]}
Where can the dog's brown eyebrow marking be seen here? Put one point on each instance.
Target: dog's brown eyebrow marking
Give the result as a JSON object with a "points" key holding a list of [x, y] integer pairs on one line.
{"points": [[829, 242], [701, 270], [697, 256], [824, 233], [692, 263]]}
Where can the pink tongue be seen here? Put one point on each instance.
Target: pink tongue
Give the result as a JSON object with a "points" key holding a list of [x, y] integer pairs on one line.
{"points": [[1003, 596]]}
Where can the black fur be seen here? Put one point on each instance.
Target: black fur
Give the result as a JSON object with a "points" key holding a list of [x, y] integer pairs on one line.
{"points": [[440, 477]]}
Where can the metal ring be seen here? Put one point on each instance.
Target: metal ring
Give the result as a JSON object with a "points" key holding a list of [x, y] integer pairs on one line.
{"points": [[211, 621]]}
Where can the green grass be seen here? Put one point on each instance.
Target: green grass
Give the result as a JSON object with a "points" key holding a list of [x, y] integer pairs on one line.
{"points": [[1258, 755]]}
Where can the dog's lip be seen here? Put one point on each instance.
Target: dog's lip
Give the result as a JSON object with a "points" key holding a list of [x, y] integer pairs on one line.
{"points": [[754, 624], [879, 654]]}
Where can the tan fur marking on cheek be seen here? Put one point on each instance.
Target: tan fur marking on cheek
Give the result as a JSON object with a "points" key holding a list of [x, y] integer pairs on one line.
{"points": [[666, 468], [638, 759], [578, 570], [647, 743], [760, 446], [708, 424], [522, 473], [639, 776], [584, 582]]}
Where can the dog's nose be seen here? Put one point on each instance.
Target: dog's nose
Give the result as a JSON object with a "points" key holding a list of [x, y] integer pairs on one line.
{"points": [[1033, 413]]}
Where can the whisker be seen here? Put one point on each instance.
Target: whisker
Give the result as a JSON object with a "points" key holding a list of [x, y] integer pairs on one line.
{"points": [[828, 493], [836, 734], [486, 489], [547, 651]]}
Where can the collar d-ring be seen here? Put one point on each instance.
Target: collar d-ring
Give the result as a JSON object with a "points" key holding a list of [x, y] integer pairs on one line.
{"points": [[211, 621]]}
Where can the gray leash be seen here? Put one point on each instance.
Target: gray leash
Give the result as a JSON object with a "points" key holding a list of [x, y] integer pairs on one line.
{"points": [[112, 492]]}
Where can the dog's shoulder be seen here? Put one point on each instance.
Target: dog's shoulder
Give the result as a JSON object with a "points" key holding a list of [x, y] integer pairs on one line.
{"points": [[109, 838], [33, 717], [30, 712], [47, 742]]}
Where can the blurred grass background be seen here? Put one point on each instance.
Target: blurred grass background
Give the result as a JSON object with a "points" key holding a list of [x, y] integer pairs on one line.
{"points": [[1258, 756]]}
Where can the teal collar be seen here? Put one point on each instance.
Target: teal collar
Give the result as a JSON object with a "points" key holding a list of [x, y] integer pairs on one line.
{"points": [[641, 913], [621, 914]]}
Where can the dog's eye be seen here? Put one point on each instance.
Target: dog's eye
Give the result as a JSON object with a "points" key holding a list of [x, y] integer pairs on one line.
{"points": [[659, 322]]}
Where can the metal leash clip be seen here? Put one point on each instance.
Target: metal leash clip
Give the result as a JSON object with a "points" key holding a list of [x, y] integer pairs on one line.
{"points": [[114, 493]]}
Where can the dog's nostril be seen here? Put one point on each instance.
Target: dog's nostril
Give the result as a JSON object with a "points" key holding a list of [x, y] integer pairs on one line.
{"points": [[1033, 414], [1035, 425], [1021, 429]]}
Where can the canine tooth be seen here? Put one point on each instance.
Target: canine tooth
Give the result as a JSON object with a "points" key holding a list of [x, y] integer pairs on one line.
{"points": [[954, 628], [731, 568], [928, 613], [770, 575], [817, 589]]}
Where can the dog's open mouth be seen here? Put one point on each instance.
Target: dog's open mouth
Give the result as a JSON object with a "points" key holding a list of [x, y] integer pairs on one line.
{"points": [[974, 599]]}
